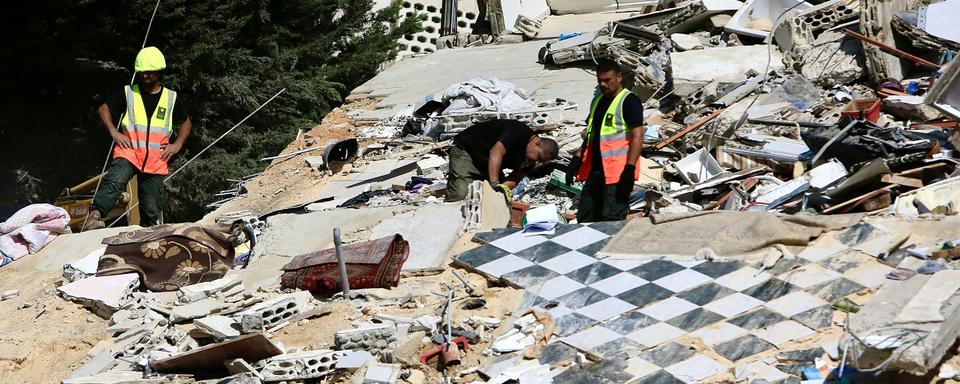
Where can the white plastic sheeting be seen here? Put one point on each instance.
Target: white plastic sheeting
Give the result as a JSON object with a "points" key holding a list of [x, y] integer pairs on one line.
{"points": [[485, 94]]}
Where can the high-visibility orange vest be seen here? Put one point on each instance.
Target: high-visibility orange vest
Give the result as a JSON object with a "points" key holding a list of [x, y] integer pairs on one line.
{"points": [[146, 134], [614, 144]]}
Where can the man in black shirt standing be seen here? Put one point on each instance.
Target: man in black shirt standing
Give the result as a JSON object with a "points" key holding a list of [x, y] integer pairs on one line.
{"points": [[607, 161], [484, 150], [144, 141]]}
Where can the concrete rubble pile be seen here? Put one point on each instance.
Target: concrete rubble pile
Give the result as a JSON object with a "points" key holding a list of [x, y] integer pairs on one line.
{"points": [[786, 111]]}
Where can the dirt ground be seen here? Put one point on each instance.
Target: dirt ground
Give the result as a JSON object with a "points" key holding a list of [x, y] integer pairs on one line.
{"points": [[48, 347]]}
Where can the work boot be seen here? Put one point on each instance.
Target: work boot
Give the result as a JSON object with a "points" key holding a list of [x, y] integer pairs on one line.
{"points": [[93, 221]]}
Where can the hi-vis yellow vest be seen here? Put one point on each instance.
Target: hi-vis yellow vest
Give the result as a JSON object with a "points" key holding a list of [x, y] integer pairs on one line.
{"points": [[614, 144], [146, 133]]}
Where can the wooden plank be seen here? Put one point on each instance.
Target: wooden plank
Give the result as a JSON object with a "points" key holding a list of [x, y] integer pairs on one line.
{"points": [[688, 129], [846, 206], [901, 180], [920, 170]]}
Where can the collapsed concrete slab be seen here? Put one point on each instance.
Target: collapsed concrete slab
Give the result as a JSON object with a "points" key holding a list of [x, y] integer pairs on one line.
{"points": [[428, 231], [909, 325], [694, 69], [945, 92], [102, 294]]}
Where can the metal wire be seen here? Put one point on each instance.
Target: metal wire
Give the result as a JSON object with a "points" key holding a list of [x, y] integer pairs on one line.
{"points": [[204, 150], [110, 148]]}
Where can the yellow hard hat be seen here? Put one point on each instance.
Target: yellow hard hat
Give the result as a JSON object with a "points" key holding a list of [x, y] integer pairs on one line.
{"points": [[149, 59]]}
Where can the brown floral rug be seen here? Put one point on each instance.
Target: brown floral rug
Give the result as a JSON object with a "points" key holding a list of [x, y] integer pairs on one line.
{"points": [[370, 264], [169, 256]]}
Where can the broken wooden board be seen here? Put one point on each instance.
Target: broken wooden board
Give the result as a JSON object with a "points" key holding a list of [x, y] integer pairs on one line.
{"points": [[208, 359], [846, 206], [892, 178]]}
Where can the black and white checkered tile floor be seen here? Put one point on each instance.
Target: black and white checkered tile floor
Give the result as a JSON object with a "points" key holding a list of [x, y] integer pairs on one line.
{"points": [[606, 307]]}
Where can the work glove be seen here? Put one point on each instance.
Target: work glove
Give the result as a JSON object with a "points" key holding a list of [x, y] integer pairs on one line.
{"points": [[505, 190], [625, 185], [572, 169]]}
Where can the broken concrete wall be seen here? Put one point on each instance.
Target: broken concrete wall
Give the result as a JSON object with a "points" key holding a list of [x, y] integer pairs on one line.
{"points": [[909, 324], [875, 17], [833, 59]]}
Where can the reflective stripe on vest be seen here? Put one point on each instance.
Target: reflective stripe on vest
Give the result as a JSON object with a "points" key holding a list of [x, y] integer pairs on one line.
{"points": [[614, 145], [147, 134]]}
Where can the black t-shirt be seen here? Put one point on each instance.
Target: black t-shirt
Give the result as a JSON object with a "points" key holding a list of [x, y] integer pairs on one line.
{"points": [[632, 114], [118, 105], [481, 137]]}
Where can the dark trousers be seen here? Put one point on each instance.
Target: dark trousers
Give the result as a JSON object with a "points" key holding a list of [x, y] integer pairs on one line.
{"points": [[599, 202], [149, 191], [461, 172]]}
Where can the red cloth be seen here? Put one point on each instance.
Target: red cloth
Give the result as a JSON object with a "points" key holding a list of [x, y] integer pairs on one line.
{"points": [[370, 264]]}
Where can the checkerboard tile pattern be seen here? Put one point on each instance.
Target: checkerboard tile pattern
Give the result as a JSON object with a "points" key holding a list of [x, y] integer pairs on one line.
{"points": [[611, 307]]}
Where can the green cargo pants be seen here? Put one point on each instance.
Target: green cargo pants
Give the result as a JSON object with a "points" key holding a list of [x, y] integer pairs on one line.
{"points": [[149, 191], [461, 172], [599, 202]]}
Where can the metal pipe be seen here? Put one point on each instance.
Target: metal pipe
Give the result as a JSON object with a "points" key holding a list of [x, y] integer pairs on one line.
{"points": [[345, 282], [449, 318]]}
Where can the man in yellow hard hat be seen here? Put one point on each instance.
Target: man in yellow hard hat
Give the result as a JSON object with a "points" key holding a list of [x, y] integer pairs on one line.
{"points": [[143, 143]]}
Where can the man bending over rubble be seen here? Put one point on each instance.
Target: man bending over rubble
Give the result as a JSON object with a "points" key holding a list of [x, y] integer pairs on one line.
{"points": [[615, 131], [484, 150]]}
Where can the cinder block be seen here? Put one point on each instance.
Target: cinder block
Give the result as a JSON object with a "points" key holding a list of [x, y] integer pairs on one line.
{"points": [[300, 365]]}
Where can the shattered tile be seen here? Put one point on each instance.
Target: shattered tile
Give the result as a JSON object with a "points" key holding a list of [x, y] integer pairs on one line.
{"points": [[718, 333], [530, 276], [682, 280], [623, 265], [783, 332], [655, 334], [870, 275], [695, 369], [668, 308], [742, 347], [757, 371], [759, 318], [559, 286], [705, 294], [770, 289], [846, 260], [619, 283], [835, 289], [785, 265], [481, 255], [794, 303], [580, 237], [592, 249], [517, 242], [557, 354], [504, 265], [582, 298], [486, 237], [606, 309], [617, 346], [609, 227], [809, 275], [593, 273], [591, 338], [733, 305], [716, 269], [743, 278], [644, 294], [640, 368], [572, 323], [568, 262], [657, 269], [629, 322], [695, 319], [816, 318], [668, 354], [542, 252], [660, 377]]}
